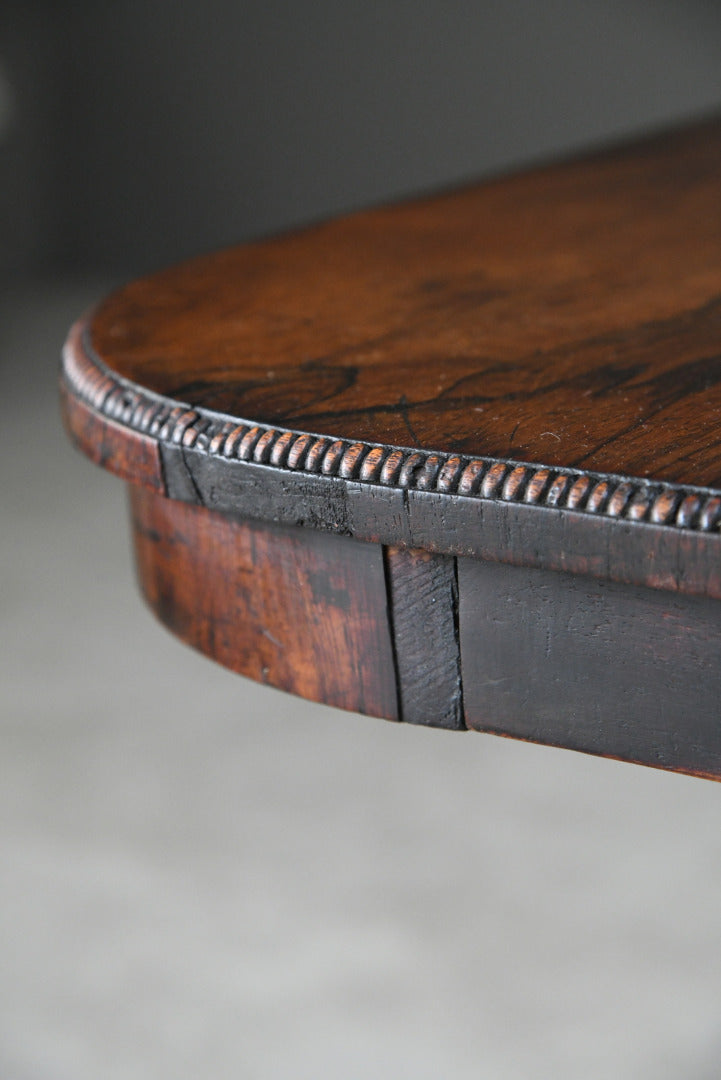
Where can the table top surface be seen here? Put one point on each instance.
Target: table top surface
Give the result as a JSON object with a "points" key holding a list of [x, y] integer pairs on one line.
{"points": [[568, 316]]}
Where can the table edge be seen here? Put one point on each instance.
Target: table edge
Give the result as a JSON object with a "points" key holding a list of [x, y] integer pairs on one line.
{"points": [[608, 525]]}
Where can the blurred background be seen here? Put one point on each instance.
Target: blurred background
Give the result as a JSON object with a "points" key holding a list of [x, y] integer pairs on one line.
{"points": [[199, 876]]}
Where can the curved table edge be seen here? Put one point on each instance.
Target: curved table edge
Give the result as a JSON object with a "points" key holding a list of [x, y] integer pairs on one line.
{"points": [[622, 528]]}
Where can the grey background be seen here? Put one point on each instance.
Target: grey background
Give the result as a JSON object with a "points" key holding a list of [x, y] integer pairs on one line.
{"points": [[200, 876]]}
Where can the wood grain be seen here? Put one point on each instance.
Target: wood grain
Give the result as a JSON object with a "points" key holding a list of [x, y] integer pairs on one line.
{"points": [[569, 316], [439, 502], [423, 600], [592, 665], [302, 611]]}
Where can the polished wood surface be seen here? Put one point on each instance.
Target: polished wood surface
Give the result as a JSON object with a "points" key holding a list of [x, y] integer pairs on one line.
{"points": [[569, 316]]}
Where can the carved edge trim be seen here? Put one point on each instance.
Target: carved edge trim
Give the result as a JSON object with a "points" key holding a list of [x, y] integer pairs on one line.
{"points": [[614, 497]]}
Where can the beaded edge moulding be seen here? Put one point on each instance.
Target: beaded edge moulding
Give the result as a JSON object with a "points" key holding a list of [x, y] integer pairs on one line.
{"points": [[446, 474]]}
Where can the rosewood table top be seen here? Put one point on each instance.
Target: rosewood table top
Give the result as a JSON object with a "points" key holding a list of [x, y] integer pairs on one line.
{"points": [[508, 396]]}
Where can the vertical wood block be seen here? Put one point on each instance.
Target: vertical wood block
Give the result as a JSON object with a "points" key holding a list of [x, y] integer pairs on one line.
{"points": [[423, 601], [619, 670]]}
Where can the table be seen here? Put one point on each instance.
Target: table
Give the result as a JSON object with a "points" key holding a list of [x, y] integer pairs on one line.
{"points": [[453, 462]]}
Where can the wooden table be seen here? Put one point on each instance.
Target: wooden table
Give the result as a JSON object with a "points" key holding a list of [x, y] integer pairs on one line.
{"points": [[455, 462]]}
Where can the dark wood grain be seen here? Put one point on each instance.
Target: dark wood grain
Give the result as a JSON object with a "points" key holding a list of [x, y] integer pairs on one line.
{"points": [[423, 600], [592, 665], [444, 503], [299, 610], [569, 316], [131, 456]]}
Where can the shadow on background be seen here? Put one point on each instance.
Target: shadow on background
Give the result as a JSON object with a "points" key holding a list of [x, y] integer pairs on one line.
{"points": [[134, 134]]}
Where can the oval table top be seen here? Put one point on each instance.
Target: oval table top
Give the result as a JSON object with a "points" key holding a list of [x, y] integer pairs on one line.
{"points": [[523, 374], [568, 318]]}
